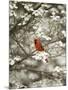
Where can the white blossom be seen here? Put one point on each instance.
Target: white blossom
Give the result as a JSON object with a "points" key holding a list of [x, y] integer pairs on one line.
{"points": [[11, 62], [17, 58], [61, 44], [41, 56], [58, 69], [64, 33]]}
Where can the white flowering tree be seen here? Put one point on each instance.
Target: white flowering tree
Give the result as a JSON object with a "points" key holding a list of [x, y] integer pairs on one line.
{"points": [[27, 66]]}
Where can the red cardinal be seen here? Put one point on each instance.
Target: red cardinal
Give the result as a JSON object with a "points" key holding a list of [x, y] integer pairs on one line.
{"points": [[38, 45]]}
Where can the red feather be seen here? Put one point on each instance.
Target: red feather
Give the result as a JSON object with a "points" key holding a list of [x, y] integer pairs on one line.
{"points": [[38, 45]]}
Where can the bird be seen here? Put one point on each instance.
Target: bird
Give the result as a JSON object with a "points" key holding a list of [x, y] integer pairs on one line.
{"points": [[38, 44], [39, 47]]}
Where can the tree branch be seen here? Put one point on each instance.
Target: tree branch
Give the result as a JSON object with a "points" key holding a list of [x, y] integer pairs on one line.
{"points": [[14, 29], [14, 38]]}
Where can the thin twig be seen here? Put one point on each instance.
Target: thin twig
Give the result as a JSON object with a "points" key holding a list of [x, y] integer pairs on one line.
{"points": [[14, 38]]}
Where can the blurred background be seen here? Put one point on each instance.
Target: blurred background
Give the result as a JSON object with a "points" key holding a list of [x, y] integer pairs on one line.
{"points": [[27, 66]]}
